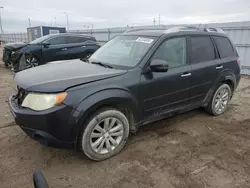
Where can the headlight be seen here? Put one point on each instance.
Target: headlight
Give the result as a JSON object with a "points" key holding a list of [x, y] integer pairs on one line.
{"points": [[39, 102]]}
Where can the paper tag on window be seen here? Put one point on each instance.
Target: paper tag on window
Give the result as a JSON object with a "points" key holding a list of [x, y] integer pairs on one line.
{"points": [[144, 40]]}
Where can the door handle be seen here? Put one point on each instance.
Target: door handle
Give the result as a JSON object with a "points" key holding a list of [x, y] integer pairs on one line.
{"points": [[83, 46], [186, 75], [64, 49], [219, 67]]}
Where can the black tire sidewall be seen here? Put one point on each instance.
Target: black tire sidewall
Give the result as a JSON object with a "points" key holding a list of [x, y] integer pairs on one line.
{"points": [[87, 56], [6, 65], [225, 86], [85, 139]]}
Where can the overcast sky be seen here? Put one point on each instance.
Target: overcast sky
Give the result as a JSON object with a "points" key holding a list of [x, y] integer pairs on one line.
{"points": [[116, 13]]}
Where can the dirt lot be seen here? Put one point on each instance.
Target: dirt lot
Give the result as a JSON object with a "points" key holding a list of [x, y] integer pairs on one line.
{"points": [[191, 150]]}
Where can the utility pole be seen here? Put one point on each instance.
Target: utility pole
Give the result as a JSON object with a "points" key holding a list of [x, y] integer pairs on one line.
{"points": [[1, 26], [67, 17], [55, 21], [154, 21], [159, 19], [29, 22]]}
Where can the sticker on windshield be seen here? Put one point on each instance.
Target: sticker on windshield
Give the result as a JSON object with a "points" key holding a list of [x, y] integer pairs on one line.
{"points": [[144, 40]]}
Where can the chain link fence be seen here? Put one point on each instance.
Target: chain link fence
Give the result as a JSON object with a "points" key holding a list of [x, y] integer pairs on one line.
{"points": [[14, 37], [239, 32]]}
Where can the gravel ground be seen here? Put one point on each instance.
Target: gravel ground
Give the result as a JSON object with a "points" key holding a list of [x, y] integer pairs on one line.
{"points": [[190, 150]]}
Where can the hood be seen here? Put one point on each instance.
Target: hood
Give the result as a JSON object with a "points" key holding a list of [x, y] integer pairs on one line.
{"points": [[15, 46], [57, 77]]}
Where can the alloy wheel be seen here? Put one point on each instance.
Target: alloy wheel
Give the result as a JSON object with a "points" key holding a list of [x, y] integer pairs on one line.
{"points": [[31, 61], [221, 100], [106, 135]]}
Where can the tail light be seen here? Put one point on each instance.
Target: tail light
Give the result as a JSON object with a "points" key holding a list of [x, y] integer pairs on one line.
{"points": [[238, 61]]}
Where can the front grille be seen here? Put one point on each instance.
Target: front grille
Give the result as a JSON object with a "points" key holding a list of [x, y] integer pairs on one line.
{"points": [[21, 94]]}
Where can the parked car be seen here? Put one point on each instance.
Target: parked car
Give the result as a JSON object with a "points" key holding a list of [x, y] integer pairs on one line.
{"points": [[134, 79], [49, 48]]}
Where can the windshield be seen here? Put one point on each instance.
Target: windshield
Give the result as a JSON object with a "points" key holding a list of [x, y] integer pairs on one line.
{"points": [[41, 39], [123, 51]]}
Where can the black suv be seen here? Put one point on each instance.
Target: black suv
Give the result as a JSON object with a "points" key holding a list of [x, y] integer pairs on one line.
{"points": [[136, 78], [49, 48]]}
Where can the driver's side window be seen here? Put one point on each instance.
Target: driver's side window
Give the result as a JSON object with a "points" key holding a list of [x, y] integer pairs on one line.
{"points": [[173, 51]]}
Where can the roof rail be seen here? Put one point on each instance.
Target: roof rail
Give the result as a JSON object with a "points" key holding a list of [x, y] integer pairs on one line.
{"points": [[181, 28], [214, 29], [143, 29], [178, 29], [191, 28]]}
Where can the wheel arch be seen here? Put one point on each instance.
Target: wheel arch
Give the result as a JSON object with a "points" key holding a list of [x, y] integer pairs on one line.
{"points": [[115, 98], [227, 77]]}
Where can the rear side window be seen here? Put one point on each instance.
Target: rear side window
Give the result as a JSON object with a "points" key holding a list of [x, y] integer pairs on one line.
{"points": [[224, 46], [75, 39], [202, 49]]}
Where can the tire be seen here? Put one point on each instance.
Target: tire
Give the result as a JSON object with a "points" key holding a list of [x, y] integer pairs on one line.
{"points": [[87, 56], [31, 61], [219, 102], [100, 140], [6, 65]]}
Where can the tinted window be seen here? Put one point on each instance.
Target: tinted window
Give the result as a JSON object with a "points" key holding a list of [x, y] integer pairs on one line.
{"points": [[58, 40], [173, 51], [75, 39], [202, 49], [224, 46]]}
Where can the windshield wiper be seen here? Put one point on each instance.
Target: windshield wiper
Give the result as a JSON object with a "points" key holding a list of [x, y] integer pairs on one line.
{"points": [[102, 64]]}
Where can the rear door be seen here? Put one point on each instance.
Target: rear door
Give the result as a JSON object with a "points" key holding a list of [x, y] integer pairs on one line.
{"points": [[206, 66], [56, 50]]}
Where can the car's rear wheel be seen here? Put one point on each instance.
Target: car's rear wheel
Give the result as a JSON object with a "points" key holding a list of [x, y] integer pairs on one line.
{"points": [[220, 100], [87, 56], [105, 134], [31, 61]]}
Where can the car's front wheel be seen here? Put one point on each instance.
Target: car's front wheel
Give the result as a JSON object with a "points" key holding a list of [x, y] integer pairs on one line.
{"points": [[105, 134], [220, 100], [6, 64], [31, 61]]}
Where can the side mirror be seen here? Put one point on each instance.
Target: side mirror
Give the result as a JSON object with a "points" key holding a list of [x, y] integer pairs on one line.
{"points": [[158, 65], [46, 44]]}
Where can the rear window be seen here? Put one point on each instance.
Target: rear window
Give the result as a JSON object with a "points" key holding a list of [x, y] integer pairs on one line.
{"points": [[224, 46], [202, 49]]}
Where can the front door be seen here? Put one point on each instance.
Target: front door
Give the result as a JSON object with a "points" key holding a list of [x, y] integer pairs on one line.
{"points": [[56, 50], [166, 92]]}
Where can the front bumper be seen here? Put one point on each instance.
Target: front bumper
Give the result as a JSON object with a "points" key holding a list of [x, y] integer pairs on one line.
{"points": [[15, 60], [49, 127]]}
